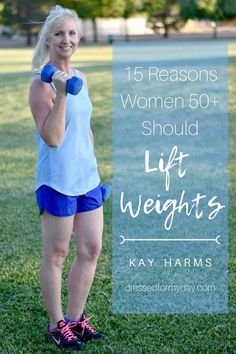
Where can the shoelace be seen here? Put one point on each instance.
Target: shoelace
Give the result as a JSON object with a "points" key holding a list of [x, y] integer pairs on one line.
{"points": [[84, 324], [67, 332]]}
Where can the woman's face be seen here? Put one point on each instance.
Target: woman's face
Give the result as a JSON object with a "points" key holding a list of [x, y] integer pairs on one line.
{"points": [[64, 38]]}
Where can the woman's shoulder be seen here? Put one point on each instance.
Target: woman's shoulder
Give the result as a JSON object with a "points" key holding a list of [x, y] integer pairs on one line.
{"points": [[36, 83], [38, 88], [79, 73]]}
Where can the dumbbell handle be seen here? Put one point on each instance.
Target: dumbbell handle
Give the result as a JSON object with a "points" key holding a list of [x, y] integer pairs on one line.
{"points": [[73, 85]]}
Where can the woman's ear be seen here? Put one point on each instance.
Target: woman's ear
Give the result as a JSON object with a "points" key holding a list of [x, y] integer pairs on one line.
{"points": [[48, 42]]}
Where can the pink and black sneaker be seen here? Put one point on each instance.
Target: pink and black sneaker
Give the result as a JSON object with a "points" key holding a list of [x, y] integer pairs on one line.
{"points": [[84, 331], [64, 338]]}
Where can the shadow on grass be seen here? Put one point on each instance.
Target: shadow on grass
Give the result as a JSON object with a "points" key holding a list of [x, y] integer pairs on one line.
{"points": [[17, 136]]}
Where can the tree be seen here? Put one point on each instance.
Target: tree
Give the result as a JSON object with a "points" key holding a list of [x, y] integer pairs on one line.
{"points": [[209, 9], [214, 10], [130, 7], [228, 9], [18, 13], [200, 9], [163, 14], [93, 9]]}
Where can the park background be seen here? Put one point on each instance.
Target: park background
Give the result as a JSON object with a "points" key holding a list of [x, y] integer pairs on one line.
{"points": [[24, 321]]}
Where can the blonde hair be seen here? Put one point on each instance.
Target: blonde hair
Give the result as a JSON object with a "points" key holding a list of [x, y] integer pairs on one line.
{"points": [[41, 52]]}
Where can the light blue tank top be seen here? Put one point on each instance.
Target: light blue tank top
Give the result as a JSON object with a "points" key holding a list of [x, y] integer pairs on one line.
{"points": [[70, 168]]}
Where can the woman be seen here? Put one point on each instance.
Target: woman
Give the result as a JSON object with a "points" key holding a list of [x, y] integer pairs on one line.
{"points": [[67, 181]]}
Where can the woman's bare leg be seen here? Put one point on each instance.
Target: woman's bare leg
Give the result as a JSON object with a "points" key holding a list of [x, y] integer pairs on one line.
{"points": [[88, 227], [56, 233]]}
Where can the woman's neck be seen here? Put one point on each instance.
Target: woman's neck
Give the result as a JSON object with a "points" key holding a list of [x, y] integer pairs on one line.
{"points": [[63, 65]]}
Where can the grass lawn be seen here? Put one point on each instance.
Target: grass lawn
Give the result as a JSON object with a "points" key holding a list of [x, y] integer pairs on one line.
{"points": [[24, 320]]}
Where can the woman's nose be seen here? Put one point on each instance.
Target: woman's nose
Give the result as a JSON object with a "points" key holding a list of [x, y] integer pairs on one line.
{"points": [[66, 38]]}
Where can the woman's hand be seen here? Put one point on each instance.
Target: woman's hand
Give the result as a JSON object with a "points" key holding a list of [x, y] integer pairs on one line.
{"points": [[59, 79]]}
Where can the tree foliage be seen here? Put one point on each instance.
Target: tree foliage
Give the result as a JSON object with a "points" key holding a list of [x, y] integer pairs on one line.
{"points": [[18, 13], [227, 8], [93, 9], [199, 9], [163, 15], [216, 10]]}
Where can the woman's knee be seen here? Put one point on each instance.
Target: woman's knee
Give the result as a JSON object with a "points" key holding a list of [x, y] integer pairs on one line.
{"points": [[90, 251], [56, 256]]}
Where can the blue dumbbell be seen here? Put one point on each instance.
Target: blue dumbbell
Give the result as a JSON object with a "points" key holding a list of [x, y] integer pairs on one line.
{"points": [[73, 85], [106, 192]]}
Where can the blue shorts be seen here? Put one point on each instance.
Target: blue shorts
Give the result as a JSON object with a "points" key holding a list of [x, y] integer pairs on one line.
{"points": [[58, 204]]}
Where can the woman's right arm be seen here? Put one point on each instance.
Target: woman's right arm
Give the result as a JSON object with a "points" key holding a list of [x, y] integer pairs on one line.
{"points": [[49, 109]]}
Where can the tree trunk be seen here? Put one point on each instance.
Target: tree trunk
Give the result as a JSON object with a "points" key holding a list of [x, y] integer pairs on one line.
{"points": [[29, 14], [166, 30], [29, 36], [126, 30], [95, 34], [215, 30]]}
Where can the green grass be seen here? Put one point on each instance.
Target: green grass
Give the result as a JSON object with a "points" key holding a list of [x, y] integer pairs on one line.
{"points": [[24, 319]]}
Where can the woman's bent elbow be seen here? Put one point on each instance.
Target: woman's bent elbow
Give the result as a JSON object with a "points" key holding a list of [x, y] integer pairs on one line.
{"points": [[53, 141], [53, 144]]}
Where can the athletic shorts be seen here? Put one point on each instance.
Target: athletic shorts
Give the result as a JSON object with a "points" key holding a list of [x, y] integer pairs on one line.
{"points": [[58, 204]]}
